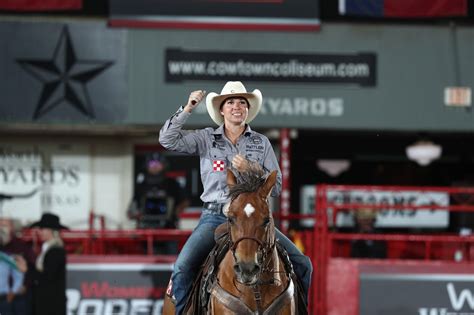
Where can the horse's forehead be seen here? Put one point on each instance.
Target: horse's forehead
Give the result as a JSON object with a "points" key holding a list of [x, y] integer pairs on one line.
{"points": [[249, 207]]}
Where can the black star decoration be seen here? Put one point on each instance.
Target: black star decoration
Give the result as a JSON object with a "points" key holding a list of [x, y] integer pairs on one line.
{"points": [[64, 78]]}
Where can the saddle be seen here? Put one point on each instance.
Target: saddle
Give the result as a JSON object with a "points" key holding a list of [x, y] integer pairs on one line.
{"points": [[197, 303]]}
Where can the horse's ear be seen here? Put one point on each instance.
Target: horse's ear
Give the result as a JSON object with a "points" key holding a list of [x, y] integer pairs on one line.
{"points": [[268, 185], [231, 180]]}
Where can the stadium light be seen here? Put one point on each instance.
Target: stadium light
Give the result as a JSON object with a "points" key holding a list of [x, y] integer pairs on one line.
{"points": [[423, 152], [333, 167]]}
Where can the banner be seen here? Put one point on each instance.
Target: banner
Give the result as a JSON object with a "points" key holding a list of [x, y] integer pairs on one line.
{"points": [[224, 14], [425, 291], [404, 8], [40, 5], [185, 65], [386, 217], [47, 177], [103, 287]]}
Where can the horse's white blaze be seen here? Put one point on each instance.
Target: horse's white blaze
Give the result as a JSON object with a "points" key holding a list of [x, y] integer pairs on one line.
{"points": [[249, 209]]}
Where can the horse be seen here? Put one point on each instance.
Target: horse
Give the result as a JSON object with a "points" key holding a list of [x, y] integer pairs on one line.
{"points": [[252, 278]]}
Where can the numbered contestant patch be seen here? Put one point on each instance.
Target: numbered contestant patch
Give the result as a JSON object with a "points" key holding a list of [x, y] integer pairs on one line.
{"points": [[218, 165]]}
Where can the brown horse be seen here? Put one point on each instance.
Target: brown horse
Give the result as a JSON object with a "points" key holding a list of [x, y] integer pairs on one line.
{"points": [[251, 278]]}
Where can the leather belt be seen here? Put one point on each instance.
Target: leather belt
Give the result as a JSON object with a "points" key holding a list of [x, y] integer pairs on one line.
{"points": [[214, 206]]}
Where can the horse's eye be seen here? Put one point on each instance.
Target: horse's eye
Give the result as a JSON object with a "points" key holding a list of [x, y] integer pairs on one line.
{"points": [[266, 221], [231, 220]]}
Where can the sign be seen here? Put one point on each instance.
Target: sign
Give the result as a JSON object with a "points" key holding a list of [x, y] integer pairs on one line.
{"points": [[294, 108], [386, 217], [96, 288], [416, 293], [359, 68], [457, 96], [224, 14], [63, 73], [51, 177]]}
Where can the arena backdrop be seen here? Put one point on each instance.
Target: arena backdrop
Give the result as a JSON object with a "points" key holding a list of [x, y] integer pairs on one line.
{"points": [[378, 88], [62, 73], [343, 77]]}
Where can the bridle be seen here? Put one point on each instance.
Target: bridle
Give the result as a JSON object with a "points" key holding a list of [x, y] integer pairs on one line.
{"points": [[264, 247]]}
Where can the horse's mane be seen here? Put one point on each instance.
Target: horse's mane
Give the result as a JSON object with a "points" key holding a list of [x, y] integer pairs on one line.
{"points": [[247, 181]]}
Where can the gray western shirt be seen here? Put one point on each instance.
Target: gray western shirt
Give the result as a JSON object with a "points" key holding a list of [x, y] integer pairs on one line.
{"points": [[216, 153]]}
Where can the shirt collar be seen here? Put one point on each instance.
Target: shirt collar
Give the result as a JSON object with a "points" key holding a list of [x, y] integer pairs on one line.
{"points": [[45, 246], [219, 131]]}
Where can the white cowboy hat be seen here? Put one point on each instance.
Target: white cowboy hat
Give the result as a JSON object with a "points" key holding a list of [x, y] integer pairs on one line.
{"points": [[233, 89]]}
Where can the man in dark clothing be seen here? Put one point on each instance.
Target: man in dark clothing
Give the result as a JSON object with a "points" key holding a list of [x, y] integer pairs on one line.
{"points": [[158, 200], [367, 248], [49, 271]]}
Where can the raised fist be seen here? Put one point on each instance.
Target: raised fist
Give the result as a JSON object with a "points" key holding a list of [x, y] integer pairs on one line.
{"points": [[194, 99]]}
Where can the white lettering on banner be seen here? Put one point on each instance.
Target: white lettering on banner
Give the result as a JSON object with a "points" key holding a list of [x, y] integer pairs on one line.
{"points": [[303, 107], [90, 307], [432, 311], [386, 217], [116, 306], [78, 306], [457, 302], [299, 106]]}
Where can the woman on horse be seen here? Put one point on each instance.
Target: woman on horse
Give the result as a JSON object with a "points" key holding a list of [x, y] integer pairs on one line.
{"points": [[232, 144]]}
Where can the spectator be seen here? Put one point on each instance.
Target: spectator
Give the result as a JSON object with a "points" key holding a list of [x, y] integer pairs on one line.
{"points": [[366, 248], [49, 271], [11, 283], [158, 200], [12, 246]]}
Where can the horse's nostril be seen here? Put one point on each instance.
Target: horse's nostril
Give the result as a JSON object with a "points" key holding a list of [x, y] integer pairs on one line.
{"points": [[255, 270], [249, 269], [236, 268]]}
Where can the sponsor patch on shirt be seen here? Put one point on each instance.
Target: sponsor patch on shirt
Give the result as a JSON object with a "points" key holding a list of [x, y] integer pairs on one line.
{"points": [[256, 140], [218, 165]]}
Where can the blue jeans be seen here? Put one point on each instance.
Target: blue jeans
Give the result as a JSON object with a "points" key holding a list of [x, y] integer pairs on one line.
{"points": [[199, 245]]}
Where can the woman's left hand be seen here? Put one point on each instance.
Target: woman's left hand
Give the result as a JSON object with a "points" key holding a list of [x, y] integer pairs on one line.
{"points": [[240, 163]]}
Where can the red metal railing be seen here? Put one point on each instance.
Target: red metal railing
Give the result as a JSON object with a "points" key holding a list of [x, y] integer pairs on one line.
{"points": [[322, 243], [118, 242], [327, 240]]}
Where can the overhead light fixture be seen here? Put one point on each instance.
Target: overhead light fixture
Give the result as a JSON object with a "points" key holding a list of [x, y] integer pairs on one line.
{"points": [[423, 152], [333, 167]]}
